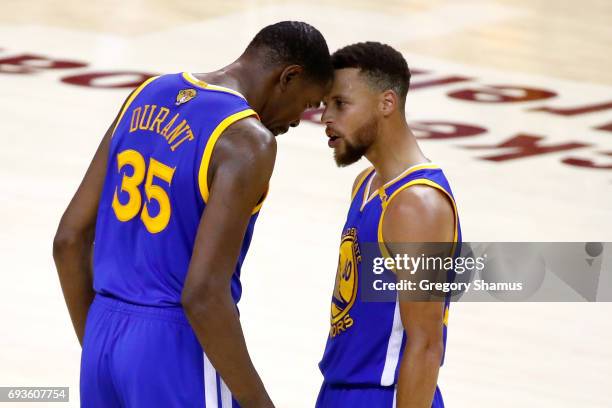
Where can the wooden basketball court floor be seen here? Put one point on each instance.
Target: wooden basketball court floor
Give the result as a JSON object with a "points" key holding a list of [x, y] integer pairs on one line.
{"points": [[534, 164]]}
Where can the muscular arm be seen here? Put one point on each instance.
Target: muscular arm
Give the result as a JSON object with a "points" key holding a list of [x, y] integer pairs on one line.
{"points": [[419, 214], [73, 242], [242, 164]]}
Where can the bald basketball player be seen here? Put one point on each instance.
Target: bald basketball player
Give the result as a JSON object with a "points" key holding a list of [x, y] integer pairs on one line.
{"points": [[382, 354], [150, 248]]}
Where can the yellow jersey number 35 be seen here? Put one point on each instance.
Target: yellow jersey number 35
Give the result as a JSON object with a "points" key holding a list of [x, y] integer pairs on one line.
{"points": [[130, 185]]}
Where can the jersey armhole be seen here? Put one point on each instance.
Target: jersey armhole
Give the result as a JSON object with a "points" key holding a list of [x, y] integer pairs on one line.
{"points": [[129, 101], [208, 150], [381, 241], [261, 201]]}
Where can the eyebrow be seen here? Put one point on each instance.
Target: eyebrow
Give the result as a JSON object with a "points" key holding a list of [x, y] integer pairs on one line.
{"points": [[335, 96]]}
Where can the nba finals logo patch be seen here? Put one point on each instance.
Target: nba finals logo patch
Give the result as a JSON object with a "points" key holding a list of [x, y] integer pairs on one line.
{"points": [[185, 96], [345, 289]]}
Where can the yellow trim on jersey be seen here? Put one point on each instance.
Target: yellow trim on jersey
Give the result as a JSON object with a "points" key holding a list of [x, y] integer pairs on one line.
{"points": [[366, 193], [445, 321], [360, 182], [261, 201], [224, 89], [130, 99], [411, 170], [195, 81], [381, 190], [385, 205], [208, 150], [192, 79]]}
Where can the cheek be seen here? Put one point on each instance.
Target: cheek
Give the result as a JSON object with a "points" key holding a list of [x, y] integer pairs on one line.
{"points": [[289, 109], [298, 113], [282, 111], [297, 108], [347, 121]]}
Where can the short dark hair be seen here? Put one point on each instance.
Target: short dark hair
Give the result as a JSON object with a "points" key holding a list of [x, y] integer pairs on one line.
{"points": [[295, 42], [384, 66]]}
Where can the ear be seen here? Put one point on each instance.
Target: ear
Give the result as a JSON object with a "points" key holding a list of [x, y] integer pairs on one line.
{"points": [[290, 73], [389, 102]]}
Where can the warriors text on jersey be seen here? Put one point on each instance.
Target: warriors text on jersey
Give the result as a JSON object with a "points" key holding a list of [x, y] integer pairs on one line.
{"points": [[366, 339]]}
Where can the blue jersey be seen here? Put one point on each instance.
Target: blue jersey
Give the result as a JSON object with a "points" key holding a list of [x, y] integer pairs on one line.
{"points": [[366, 339], [156, 188]]}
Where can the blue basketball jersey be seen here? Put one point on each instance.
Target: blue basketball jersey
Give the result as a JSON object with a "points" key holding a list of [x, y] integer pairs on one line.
{"points": [[156, 188], [367, 339]]}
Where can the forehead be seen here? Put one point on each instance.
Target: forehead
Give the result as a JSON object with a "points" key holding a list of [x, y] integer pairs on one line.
{"points": [[348, 81], [313, 90]]}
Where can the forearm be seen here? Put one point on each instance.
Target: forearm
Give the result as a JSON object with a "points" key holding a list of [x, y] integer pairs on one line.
{"points": [[418, 376], [216, 324], [73, 263]]}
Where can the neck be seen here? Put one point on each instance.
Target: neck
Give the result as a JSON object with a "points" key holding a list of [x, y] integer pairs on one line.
{"points": [[245, 76], [395, 149]]}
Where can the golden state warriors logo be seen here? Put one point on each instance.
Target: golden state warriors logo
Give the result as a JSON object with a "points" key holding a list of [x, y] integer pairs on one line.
{"points": [[345, 289], [185, 95]]}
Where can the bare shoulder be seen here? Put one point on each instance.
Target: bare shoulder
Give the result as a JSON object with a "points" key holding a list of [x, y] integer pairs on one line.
{"points": [[421, 199], [419, 213], [245, 146], [248, 135]]}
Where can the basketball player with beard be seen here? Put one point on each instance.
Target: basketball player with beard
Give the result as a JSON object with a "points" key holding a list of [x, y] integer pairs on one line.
{"points": [[383, 354]]}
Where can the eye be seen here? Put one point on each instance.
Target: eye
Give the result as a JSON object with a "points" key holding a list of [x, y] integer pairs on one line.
{"points": [[339, 103]]}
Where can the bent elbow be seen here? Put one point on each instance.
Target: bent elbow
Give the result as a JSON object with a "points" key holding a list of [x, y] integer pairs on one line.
{"points": [[430, 347], [196, 300], [435, 350], [188, 300], [68, 239], [207, 299], [62, 241]]}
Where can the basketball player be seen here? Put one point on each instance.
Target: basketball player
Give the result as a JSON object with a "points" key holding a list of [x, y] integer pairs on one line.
{"points": [[167, 208], [382, 354]]}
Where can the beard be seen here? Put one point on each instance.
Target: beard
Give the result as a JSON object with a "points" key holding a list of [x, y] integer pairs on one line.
{"points": [[350, 152]]}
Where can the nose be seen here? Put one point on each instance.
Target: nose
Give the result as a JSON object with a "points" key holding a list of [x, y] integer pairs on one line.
{"points": [[295, 123], [326, 117]]}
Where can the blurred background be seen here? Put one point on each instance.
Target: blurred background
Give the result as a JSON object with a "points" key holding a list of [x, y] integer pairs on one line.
{"points": [[512, 98]]}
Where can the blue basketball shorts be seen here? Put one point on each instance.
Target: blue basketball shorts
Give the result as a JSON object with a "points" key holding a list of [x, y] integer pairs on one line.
{"points": [[137, 356], [344, 396]]}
